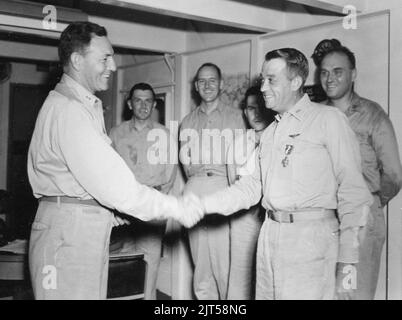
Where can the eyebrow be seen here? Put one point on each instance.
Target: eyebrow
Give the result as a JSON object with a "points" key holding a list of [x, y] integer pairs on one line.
{"points": [[336, 68]]}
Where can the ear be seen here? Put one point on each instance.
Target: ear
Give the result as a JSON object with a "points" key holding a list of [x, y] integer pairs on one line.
{"points": [[221, 84], [76, 61], [153, 105], [296, 83], [196, 86], [129, 105], [354, 75]]}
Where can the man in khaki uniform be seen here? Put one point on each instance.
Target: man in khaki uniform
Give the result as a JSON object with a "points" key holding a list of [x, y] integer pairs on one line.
{"points": [[133, 140]]}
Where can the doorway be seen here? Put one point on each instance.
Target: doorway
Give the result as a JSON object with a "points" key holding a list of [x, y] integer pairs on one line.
{"points": [[25, 103]]}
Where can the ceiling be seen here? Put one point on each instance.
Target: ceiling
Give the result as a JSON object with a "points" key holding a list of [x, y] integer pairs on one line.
{"points": [[192, 16], [249, 16]]}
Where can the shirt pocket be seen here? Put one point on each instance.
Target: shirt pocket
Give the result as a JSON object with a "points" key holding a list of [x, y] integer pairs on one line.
{"points": [[310, 160]]}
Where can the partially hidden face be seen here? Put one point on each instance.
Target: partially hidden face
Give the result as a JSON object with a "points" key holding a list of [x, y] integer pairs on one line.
{"points": [[252, 112]]}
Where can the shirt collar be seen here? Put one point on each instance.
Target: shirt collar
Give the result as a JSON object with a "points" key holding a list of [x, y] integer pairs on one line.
{"points": [[278, 117], [355, 104], [219, 108], [81, 93], [299, 110], [149, 125]]}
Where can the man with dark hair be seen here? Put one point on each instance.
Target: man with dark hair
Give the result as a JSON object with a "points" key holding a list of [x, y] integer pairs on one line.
{"points": [[378, 147], [78, 177], [133, 140], [258, 117], [206, 173], [245, 225], [307, 166]]}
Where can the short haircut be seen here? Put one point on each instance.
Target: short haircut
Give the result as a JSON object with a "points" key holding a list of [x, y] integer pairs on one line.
{"points": [[141, 86], [296, 62], [327, 46], [77, 37], [212, 65]]}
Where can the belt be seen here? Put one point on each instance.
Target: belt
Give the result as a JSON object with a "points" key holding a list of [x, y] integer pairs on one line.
{"points": [[208, 174], [300, 215], [64, 199]]}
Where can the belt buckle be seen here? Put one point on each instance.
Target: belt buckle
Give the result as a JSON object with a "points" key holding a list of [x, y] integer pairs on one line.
{"points": [[286, 217], [289, 217]]}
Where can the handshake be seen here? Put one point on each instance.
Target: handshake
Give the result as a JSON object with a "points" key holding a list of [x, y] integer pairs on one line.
{"points": [[190, 210]]}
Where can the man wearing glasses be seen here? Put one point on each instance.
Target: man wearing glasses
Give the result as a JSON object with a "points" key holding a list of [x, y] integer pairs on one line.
{"points": [[206, 171]]}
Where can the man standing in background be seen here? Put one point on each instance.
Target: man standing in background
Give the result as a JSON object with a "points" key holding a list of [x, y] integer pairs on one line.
{"points": [[206, 173], [378, 147], [133, 140]]}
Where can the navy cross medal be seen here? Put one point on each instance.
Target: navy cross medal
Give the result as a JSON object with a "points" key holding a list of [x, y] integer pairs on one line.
{"points": [[288, 151]]}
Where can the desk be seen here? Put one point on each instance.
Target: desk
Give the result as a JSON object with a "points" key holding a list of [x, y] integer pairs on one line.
{"points": [[126, 279], [12, 266], [126, 276], [14, 276]]}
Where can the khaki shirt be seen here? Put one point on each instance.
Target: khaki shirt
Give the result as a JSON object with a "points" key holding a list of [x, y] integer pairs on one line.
{"points": [[309, 159], [210, 157], [140, 148], [378, 147], [70, 155]]}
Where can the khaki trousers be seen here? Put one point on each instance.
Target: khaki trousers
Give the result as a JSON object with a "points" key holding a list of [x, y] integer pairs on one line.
{"points": [[370, 250], [297, 261], [244, 230], [69, 251], [209, 244]]}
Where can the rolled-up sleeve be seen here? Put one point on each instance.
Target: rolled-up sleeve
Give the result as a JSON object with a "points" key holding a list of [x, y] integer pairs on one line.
{"points": [[353, 195], [98, 168], [386, 149]]}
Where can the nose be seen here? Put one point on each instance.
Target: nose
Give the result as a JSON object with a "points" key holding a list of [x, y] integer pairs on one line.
{"points": [[112, 64], [208, 84], [264, 86], [331, 77]]}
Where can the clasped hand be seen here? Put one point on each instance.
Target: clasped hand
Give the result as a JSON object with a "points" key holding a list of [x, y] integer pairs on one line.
{"points": [[191, 210]]}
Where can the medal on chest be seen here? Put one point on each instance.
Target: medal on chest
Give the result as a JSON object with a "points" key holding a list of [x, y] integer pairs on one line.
{"points": [[288, 150]]}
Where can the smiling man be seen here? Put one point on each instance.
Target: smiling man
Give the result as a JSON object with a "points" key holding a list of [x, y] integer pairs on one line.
{"points": [[131, 140], [307, 166], [378, 147], [210, 239], [78, 177]]}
